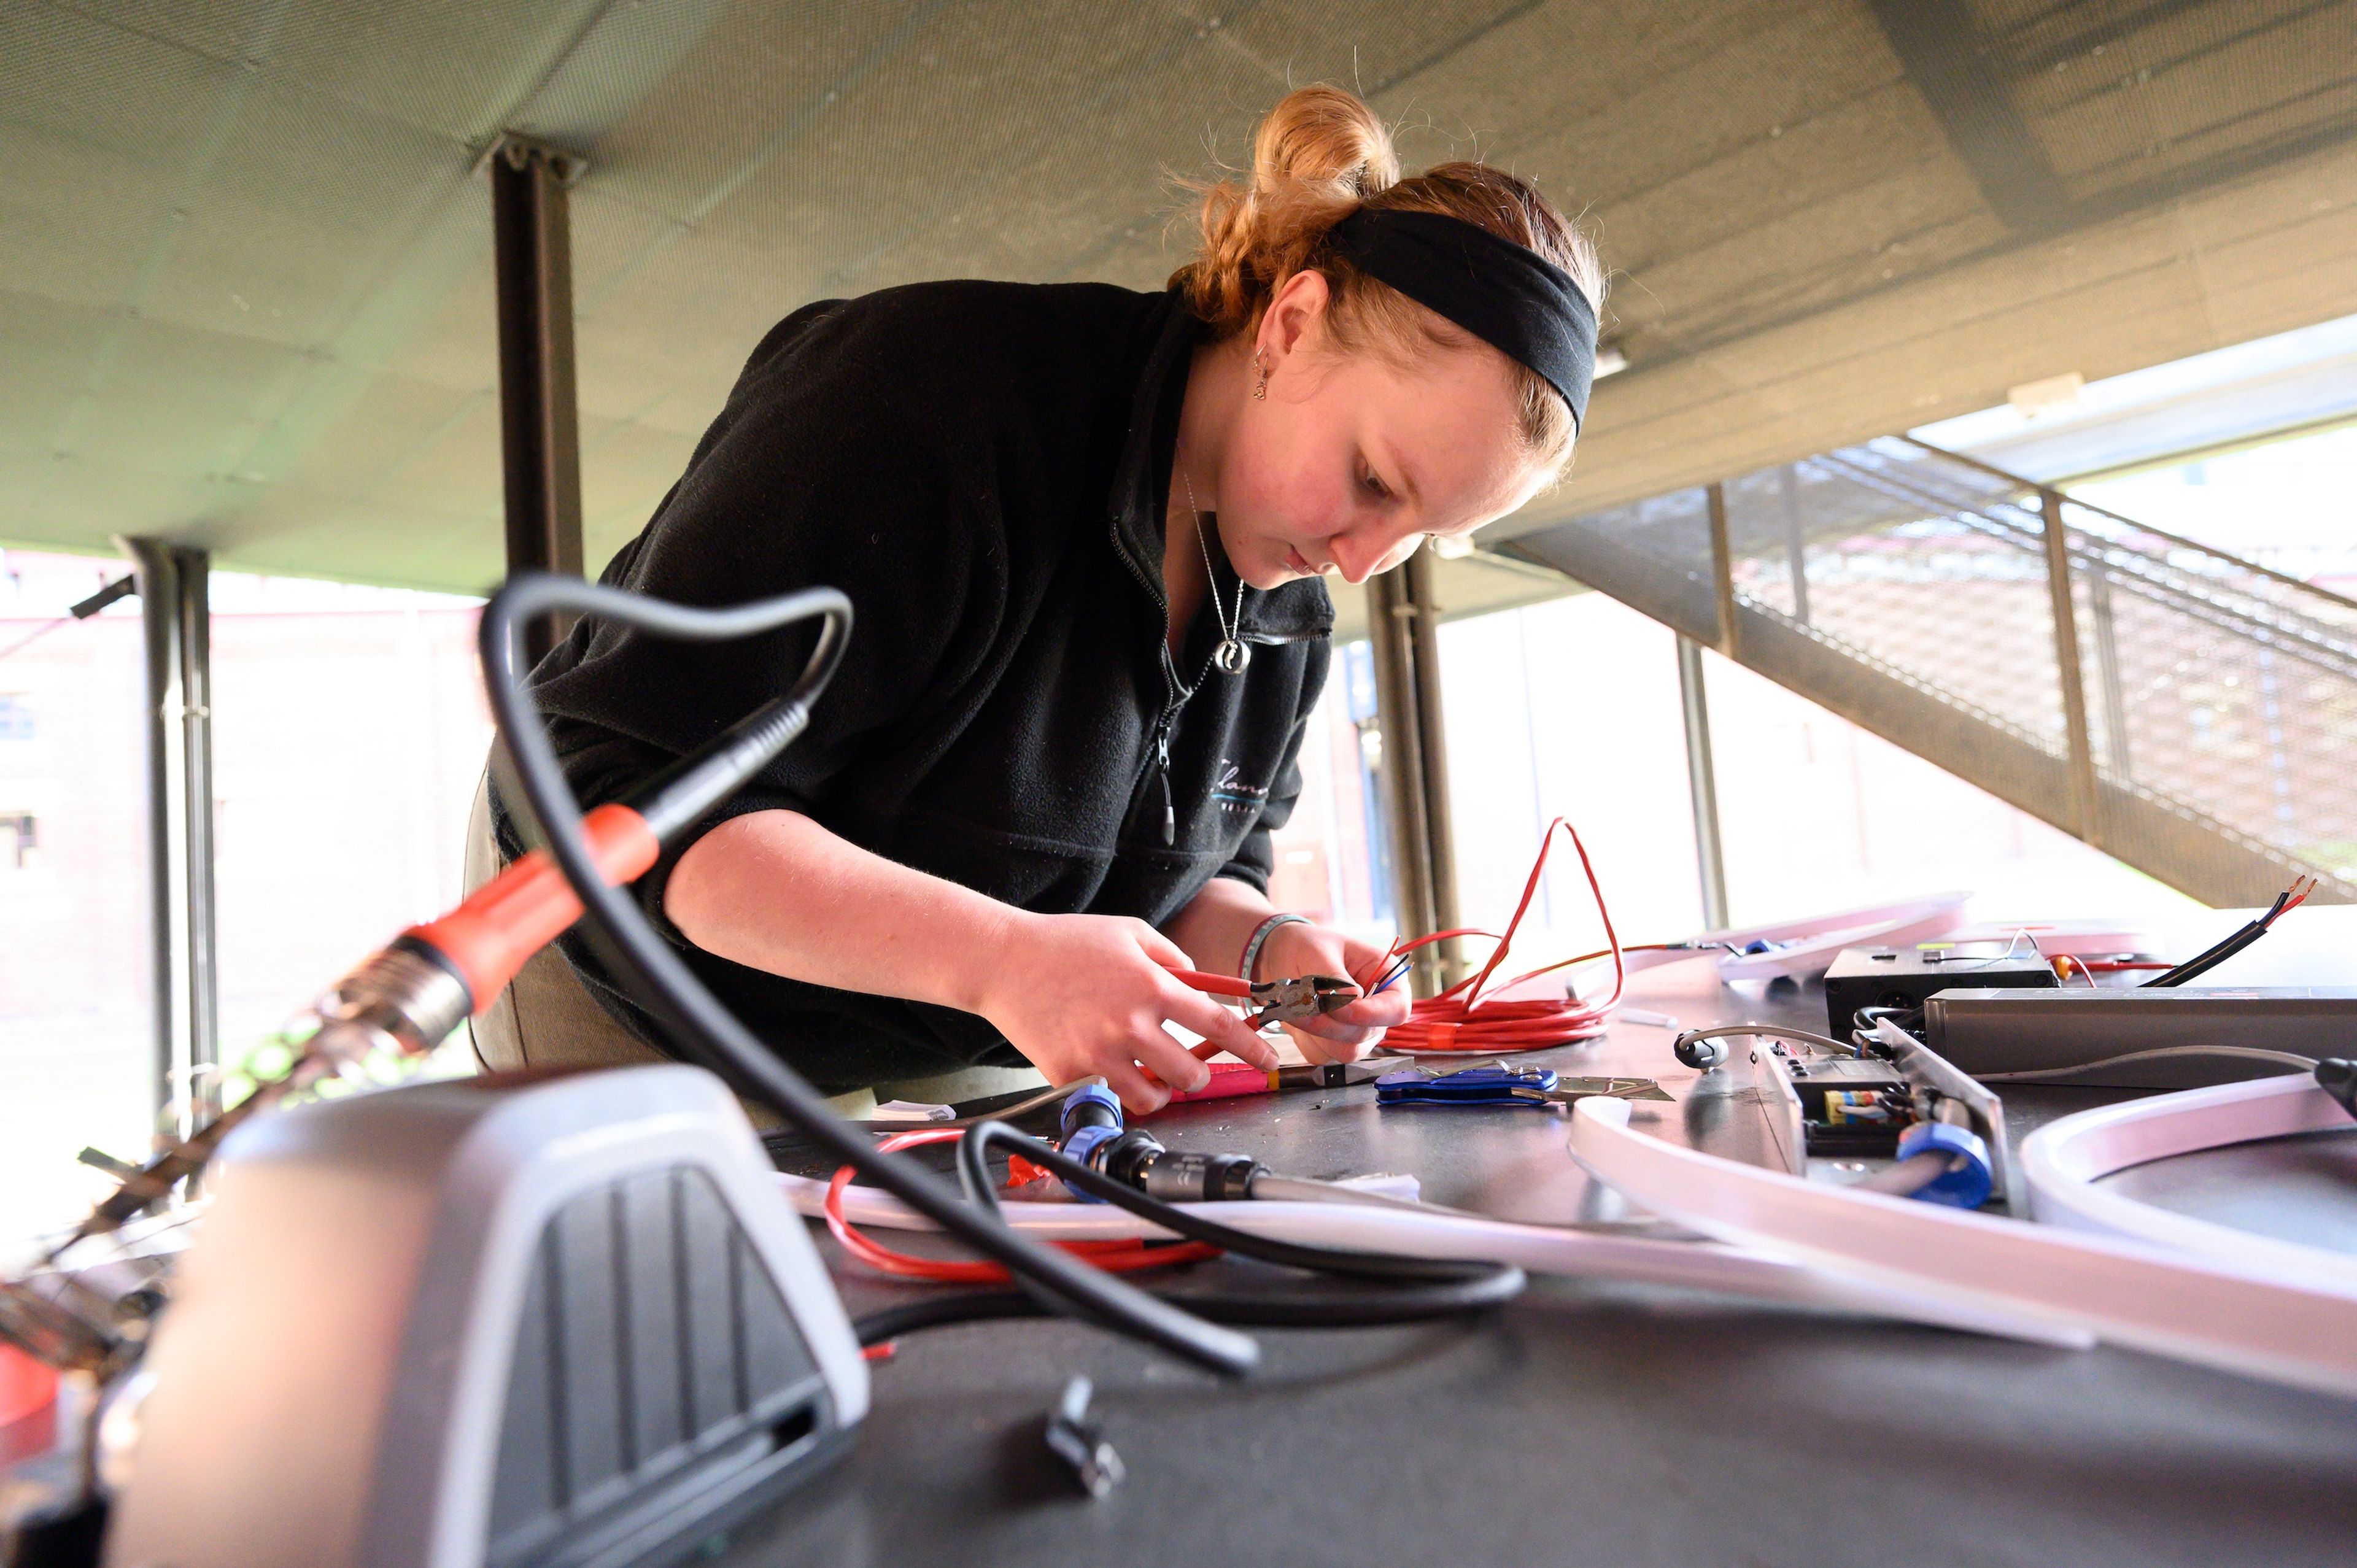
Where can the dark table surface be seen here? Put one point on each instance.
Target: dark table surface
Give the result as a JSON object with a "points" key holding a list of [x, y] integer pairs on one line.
{"points": [[1590, 1424]]}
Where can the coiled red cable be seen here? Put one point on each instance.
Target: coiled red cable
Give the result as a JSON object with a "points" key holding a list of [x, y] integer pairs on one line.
{"points": [[1459, 1020]]}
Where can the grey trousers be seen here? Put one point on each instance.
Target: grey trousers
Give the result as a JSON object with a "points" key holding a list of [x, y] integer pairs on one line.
{"points": [[547, 1018]]}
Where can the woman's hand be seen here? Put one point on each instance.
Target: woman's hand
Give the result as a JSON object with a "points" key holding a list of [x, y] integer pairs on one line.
{"points": [[1296, 949], [1079, 994]]}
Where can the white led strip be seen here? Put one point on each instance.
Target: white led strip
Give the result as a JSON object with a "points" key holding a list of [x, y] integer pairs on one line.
{"points": [[2060, 1163], [1541, 1248], [2238, 1314], [1815, 943]]}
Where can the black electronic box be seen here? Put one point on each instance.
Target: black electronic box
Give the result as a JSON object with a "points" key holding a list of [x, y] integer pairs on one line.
{"points": [[1906, 977]]}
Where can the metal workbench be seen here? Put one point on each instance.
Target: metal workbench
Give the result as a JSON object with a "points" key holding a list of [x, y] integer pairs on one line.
{"points": [[1613, 1424]]}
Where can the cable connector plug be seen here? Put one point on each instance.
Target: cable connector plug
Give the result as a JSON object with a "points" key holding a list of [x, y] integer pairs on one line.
{"points": [[2338, 1078], [1080, 1443]]}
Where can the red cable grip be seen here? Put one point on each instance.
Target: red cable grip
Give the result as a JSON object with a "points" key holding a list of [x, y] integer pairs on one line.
{"points": [[530, 905]]}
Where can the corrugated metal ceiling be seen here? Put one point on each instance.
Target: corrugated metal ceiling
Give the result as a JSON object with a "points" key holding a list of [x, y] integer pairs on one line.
{"points": [[245, 292]]}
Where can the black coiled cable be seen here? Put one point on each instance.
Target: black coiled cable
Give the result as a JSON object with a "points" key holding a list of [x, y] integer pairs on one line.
{"points": [[1446, 1284], [690, 1015], [1418, 1288]]}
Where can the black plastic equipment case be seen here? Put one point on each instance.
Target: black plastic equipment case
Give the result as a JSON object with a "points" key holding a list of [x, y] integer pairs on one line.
{"points": [[1908, 977]]}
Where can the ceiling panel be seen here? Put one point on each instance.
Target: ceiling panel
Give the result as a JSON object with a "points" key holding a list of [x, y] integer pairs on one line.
{"points": [[245, 290]]}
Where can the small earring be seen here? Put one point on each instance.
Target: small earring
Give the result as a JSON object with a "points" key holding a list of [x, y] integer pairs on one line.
{"points": [[1260, 392]]}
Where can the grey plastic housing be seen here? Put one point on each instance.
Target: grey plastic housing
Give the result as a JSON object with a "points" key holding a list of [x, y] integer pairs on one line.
{"points": [[1984, 1031], [563, 1320]]}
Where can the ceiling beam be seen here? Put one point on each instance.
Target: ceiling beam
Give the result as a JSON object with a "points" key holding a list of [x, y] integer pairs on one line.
{"points": [[1965, 87]]}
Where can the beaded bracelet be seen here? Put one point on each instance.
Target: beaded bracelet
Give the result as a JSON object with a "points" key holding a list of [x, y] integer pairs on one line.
{"points": [[1260, 934]]}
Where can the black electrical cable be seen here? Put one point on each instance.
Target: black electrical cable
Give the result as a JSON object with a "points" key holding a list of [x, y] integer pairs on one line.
{"points": [[2203, 962], [2337, 1076], [974, 1170], [2210, 958], [1257, 1309], [694, 1017]]}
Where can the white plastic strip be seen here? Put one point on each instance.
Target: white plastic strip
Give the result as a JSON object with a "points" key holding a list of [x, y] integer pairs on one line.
{"points": [[1818, 938], [1814, 944], [2055, 939], [1899, 909], [1541, 1248], [2060, 1163], [2230, 1313]]}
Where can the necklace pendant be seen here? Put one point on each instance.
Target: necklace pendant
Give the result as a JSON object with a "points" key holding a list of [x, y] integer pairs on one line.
{"points": [[1231, 655]]}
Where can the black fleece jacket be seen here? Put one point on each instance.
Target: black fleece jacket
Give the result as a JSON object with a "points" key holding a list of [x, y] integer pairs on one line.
{"points": [[983, 469]]}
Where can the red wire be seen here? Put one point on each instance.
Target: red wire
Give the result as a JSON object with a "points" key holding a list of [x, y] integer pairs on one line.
{"points": [[1458, 1020], [1113, 1257]]}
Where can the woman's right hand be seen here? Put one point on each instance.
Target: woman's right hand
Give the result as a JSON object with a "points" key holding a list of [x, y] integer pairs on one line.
{"points": [[1083, 994]]}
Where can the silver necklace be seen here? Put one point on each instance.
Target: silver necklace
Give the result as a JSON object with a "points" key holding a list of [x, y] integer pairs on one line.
{"points": [[1232, 655]]}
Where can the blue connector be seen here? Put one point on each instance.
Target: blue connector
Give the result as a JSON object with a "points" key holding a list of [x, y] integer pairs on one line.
{"points": [[1968, 1181], [1091, 1117]]}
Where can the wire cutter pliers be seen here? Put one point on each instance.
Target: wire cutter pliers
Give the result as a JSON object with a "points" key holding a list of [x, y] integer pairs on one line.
{"points": [[1303, 997]]}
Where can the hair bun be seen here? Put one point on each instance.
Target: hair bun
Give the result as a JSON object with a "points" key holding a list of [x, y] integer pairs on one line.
{"points": [[1323, 135], [1319, 158]]}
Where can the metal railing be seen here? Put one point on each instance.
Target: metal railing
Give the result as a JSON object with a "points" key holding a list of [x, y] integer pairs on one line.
{"points": [[2189, 712]]}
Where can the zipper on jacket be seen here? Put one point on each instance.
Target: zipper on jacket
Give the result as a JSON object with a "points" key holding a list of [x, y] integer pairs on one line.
{"points": [[1162, 769]]}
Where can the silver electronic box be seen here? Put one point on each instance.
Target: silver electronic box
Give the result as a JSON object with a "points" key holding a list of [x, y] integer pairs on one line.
{"points": [[561, 1320], [2146, 1038]]}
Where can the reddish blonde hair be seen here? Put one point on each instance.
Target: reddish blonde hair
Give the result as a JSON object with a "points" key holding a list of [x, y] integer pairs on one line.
{"points": [[1320, 156]]}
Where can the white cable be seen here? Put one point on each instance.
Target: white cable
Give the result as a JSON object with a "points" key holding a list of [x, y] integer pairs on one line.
{"points": [[2244, 1053], [2059, 1163], [2236, 1314], [1541, 1248]]}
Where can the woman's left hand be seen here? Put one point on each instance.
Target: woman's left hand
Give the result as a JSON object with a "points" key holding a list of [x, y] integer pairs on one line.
{"points": [[1342, 1035]]}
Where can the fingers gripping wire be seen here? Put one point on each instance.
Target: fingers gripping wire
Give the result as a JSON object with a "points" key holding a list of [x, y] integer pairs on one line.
{"points": [[693, 1018]]}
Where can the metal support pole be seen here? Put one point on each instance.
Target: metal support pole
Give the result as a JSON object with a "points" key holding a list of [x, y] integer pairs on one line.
{"points": [[1702, 779], [175, 611], [1796, 543], [2066, 664], [1402, 768], [2118, 756], [1432, 748], [1402, 621], [540, 437], [1722, 569]]}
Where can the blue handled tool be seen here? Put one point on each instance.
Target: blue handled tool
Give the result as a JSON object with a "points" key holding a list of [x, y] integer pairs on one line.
{"points": [[1497, 1084]]}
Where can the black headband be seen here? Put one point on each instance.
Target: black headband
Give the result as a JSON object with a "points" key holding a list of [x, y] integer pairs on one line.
{"points": [[1508, 296]]}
